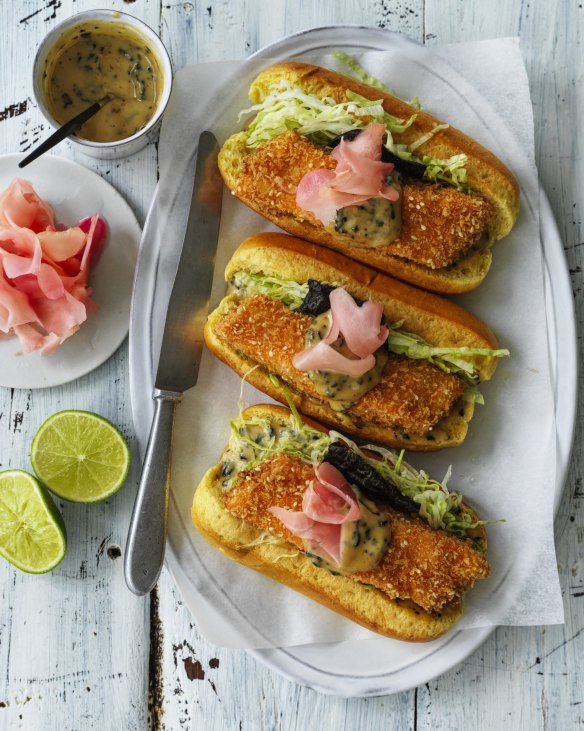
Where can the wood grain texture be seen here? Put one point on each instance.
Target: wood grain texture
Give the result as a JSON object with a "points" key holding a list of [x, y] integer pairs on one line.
{"points": [[75, 645], [533, 673]]}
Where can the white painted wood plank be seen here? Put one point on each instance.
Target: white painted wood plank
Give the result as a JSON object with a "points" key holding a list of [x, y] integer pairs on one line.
{"points": [[74, 644], [222, 30], [48, 652], [531, 678], [218, 689]]}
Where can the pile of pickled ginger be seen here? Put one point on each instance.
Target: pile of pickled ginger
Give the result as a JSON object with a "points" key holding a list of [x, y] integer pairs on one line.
{"points": [[44, 270]]}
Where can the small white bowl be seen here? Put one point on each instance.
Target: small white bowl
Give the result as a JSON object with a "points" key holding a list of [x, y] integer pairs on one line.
{"points": [[129, 145]]}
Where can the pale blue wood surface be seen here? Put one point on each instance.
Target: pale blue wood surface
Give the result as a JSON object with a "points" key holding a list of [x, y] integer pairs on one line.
{"points": [[75, 649]]}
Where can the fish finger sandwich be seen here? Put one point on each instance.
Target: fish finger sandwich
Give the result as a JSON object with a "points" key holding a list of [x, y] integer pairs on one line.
{"points": [[357, 350], [352, 167], [357, 529]]}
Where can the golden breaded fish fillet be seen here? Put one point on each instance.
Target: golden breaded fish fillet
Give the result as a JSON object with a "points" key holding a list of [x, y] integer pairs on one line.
{"points": [[427, 566], [439, 224], [412, 395]]}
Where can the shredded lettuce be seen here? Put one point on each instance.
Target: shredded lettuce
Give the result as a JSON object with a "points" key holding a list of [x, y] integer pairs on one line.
{"points": [[400, 342], [439, 507], [428, 136], [320, 119], [242, 385], [288, 396], [287, 291], [376, 110], [358, 72], [472, 393], [265, 538], [450, 360], [302, 442], [257, 439], [451, 171]]}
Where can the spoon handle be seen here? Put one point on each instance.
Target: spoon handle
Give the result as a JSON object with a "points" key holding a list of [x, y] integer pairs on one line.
{"points": [[64, 131]]}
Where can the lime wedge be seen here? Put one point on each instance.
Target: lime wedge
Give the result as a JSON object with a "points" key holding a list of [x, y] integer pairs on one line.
{"points": [[80, 456], [32, 532]]}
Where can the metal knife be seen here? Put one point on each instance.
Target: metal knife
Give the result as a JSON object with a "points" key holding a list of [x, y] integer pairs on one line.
{"points": [[178, 368]]}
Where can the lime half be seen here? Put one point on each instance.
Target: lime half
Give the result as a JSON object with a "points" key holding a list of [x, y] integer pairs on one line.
{"points": [[32, 532], [80, 456]]}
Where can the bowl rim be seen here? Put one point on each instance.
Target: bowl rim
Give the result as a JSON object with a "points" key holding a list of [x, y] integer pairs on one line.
{"points": [[116, 16]]}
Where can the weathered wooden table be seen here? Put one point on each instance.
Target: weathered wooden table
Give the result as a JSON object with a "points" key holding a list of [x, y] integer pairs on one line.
{"points": [[77, 650]]}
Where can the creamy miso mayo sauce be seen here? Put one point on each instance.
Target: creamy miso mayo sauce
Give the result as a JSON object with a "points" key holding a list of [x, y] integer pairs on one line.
{"points": [[96, 59], [375, 222], [339, 389], [241, 451], [363, 541]]}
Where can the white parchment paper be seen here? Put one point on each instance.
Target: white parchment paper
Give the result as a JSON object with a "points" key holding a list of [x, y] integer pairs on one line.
{"points": [[506, 467]]}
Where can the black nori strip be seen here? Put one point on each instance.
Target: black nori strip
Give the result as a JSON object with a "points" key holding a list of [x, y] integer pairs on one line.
{"points": [[367, 479], [411, 169], [317, 300], [406, 167], [350, 135]]}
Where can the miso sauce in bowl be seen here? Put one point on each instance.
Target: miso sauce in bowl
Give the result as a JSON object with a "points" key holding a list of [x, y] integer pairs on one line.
{"points": [[91, 56]]}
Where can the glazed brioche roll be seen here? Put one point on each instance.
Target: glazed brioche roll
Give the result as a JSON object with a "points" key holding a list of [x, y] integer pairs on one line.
{"points": [[413, 397], [455, 197], [396, 574]]}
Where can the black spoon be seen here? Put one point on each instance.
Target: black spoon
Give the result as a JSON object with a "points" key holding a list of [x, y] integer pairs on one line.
{"points": [[65, 130]]}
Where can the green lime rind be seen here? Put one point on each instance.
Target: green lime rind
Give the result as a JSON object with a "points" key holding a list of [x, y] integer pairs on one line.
{"points": [[80, 456], [32, 532]]}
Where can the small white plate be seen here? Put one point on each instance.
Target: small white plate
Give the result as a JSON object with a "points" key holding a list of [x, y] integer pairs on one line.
{"points": [[75, 193]]}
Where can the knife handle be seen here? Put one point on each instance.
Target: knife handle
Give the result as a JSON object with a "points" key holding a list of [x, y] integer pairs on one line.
{"points": [[147, 533]]}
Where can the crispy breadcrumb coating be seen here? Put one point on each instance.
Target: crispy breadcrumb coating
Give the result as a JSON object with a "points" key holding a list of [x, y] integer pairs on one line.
{"points": [[412, 395], [439, 224], [426, 566]]}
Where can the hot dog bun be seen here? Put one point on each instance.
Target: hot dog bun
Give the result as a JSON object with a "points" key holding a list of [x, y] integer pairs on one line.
{"points": [[438, 321], [360, 602], [487, 177]]}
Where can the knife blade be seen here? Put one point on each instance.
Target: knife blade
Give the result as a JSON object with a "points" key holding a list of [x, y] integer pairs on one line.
{"points": [[178, 368]]}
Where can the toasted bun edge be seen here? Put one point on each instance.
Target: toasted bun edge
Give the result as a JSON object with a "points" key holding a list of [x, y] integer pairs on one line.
{"points": [[436, 319], [487, 174], [281, 561]]}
